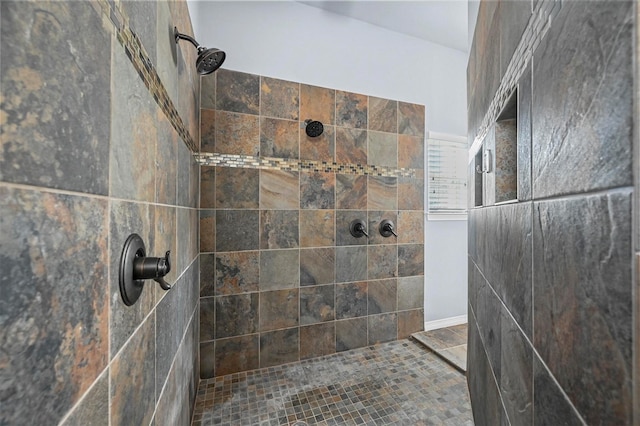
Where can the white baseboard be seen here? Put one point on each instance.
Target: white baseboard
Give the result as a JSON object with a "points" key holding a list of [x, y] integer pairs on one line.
{"points": [[445, 322]]}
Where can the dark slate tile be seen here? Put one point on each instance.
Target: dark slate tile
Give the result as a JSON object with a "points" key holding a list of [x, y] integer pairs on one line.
{"points": [[207, 358], [411, 152], [93, 409], [279, 269], [317, 266], [351, 146], [133, 135], [165, 240], [317, 103], [279, 347], [410, 227], [55, 112], [237, 354], [513, 17], [351, 192], [382, 261], [382, 328], [187, 243], [317, 228], [524, 135], [237, 272], [351, 300], [237, 133], [279, 309], [279, 138], [383, 115], [489, 319], [487, 59], [173, 404], [485, 397], [237, 92], [166, 51], [166, 161], [583, 101], [168, 340], [583, 295], [411, 119], [237, 230], [410, 293], [207, 275], [343, 222], [188, 185], [410, 322], [550, 404], [188, 87], [516, 381], [207, 130], [382, 149], [237, 188], [317, 190], [351, 264], [127, 218], [382, 193], [410, 193], [208, 187], [319, 148], [506, 232], [317, 340], [55, 306], [208, 92], [382, 296], [207, 230], [132, 380], [410, 260], [279, 98], [143, 22], [279, 229], [351, 110], [351, 334], [207, 318], [279, 190], [236, 315], [317, 304]]}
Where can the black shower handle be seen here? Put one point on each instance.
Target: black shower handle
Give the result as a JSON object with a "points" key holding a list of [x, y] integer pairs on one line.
{"points": [[135, 267], [154, 268], [386, 228]]}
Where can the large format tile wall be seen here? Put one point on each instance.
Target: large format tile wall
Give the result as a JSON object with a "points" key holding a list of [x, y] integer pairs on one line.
{"points": [[89, 156], [551, 289], [282, 279]]}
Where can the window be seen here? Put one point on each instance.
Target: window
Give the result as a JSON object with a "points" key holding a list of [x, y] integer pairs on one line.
{"points": [[446, 177]]}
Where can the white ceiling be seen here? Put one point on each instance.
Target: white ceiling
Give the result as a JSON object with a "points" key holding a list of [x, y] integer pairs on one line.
{"points": [[439, 21]]}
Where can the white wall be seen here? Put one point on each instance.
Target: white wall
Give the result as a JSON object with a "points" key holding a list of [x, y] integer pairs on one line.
{"points": [[293, 41]]}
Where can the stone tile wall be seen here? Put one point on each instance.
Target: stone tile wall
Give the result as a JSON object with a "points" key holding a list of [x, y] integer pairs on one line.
{"points": [[282, 279], [91, 153], [551, 287]]}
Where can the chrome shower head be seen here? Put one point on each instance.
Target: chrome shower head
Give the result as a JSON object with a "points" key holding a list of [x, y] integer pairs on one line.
{"points": [[208, 60]]}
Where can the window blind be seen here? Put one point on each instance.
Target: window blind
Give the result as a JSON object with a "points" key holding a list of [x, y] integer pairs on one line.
{"points": [[446, 176]]}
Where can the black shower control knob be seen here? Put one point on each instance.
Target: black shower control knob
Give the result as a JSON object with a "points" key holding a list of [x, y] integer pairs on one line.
{"points": [[387, 229]]}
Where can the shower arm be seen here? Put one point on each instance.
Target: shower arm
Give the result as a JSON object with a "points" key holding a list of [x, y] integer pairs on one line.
{"points": [[179, 36]]}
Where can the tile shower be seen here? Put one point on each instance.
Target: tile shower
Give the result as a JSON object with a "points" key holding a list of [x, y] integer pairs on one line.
{"points": [[282, 279], [552, 290]]}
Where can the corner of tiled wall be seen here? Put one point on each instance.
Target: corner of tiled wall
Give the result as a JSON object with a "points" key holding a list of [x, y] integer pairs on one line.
{"points": [[281, 277], [95, 150], [546, 344]]}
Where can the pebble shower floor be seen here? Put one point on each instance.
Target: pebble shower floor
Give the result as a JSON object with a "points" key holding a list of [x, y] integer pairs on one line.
{"points": [[396, 383]]}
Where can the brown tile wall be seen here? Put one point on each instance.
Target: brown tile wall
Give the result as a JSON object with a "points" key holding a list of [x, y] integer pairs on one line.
{"points": [[282, 279], [552, 292], [92, 152]]}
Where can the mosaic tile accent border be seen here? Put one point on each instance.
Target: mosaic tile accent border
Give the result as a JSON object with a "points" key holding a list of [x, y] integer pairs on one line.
{"points": [[284, 164], [535, 31], [114, 16]]}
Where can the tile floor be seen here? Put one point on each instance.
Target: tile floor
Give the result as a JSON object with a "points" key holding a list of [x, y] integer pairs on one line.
{"points": [[450, 343], [396, 383]]}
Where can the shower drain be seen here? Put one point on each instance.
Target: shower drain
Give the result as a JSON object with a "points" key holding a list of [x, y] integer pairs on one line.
{"points": [[300, 424]]}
